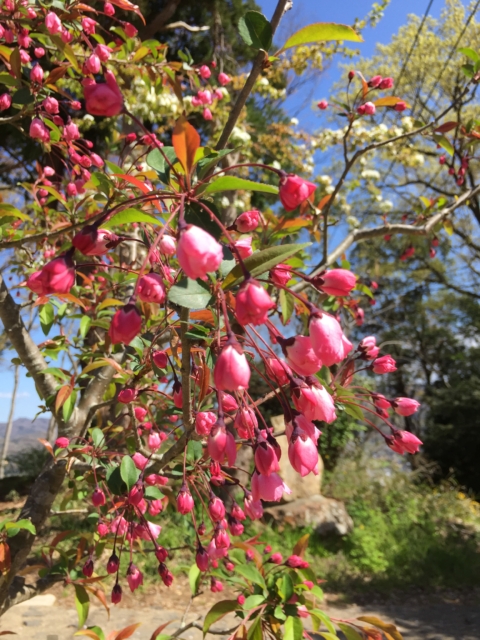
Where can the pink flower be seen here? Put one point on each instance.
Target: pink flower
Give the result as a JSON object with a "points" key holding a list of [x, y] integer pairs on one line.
{"points": [[165, 574], [221, 445], [229, 403], [278, 370], [276, 558], [202, 560], [245, 422], [368, 347], [266, 461], [244, 247], [294, 190], [405, 406], [223, 79], [247, 221], [151, 288], [302, 453], [71, 132], [253, 508], [108, 9], [184, 501], [296, 562], [39, 52], [269, 488], [57, 276], [252, 303], [237, 512], [160, 359], [323, 104], [380, 401], [62, 442], [66, 36], [51, 105], [88, 25], [386, 83], [93, 64], [328, 339], [336, 282], [375, 82], [103, 99], [127, 395], [207, 114], [215, 585], [125, 325], [281, 274], [53, 23], [39, 131], [140, 413], [301, 356], [116, 596], [35, 284], [314, 402], [231, 372], [204, 421], [366, 109], [130, 30], [98, 497], [216, 509], [404, 442], [198, 252], [400, 106], [385, 364], [5, 101], [300, 422], [167, 246], [140, 461], [103, 52], [113, 564], [204, 72], [154, 441], [134, 577], [204, 97], [93, 242]]}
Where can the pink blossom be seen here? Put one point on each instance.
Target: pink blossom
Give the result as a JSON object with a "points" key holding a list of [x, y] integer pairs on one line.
{"points": [[154, 441], [103, 99], [140, 413], [202, 559], [198, 252], [380, 401], [71, 132], [125, 325], [184, 501], [88, 25], [269, 488], [384, 364], [151, 288], [204, 421], [301, 356], [302, 453], [39, 131], [229, 403], [247, 221], [404, 442], [266, 461], [405, 406], [140, 461], [127, 395], [323, 104], [103, 52], [93, 64], [134, 577], [296, 562], [167, 246], [5, 101], [223, 79], [252, 303], [253, 508], [368, 347], [108, 9], [328, 339], [245, 422], [204, 72], [375, 82], [62, 442], [93, 242], [336, 282], [216, 509], [50, 105], [386, 83], [243, 247], [231, 371], [53, 23], [130, 30], [281, 274], [39, 52], [57, 276], [294, 190], [400, 106], [113, 564], [160, 359], [116, 596], [98, 497], [207, 114], [314, 402]]}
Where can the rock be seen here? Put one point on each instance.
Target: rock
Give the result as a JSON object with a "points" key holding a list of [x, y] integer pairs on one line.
{"points": [[327, 515], [301, 487]]}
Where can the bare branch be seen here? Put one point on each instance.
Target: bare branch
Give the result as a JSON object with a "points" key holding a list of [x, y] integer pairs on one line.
{"points": [[184, 25]]}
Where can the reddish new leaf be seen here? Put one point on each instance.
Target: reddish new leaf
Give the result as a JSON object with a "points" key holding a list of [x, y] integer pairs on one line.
{"points": [[5, 560], [127, 632], [159, 630], [62, 396], [186, 141], [447, 126], [128, 6], [301, 546], [389, 101], [47, 445]]}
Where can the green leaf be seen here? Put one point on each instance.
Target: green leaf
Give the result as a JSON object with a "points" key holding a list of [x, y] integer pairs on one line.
{"points": [[253, 601], [279, 613], [287, 304], [14, 527], [322, 617], [262, 261], [9, 211], [98, 437], [114, 481], [322, 32], [286, 587], [47, 316], [232, 183], [153, 493], [444, 143], [293, 629], [218, 610], [156, 160], [194, 450], [22, 96], [194, 578], [129, 472], [7, 79], [82, 603], [69, 405], [193, 294], [349, 632], [85, 323], [470, 53], [209, 161], [255, 629], [256, 30], [250, 573], [195, 214], [100, 182], [128, 216], [228, 262]]}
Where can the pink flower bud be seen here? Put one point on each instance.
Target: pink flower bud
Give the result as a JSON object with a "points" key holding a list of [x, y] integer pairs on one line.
{"points": [[98, 498], [276, 558], [269, 488], [198, 252], [266, 460], [221, 445], [253, 508], [375, 82], [235, 527], [93, 64], [184, 501], [39, 131], [301, 356], [177, 394], [368, 347], [154, 441], [204, 72], [125, 325], [368, 108], [167, 246], [386, 83], [207, 114], [216, 586], [57, 276], [103, 52], [204, 421], [88, 25], [281, 274], [216, 509], [385, 364], [116, 594], [229, 403], [130, 30], [151, 288], [323, 104], [296, 562], [202, 560], [62, 442], [405, 406], [245, 422], [127, 395], [39, 52], [5, 101], [140, 413], [155, 480], [294, 190], [247, 221], [51, 105], [231, 372], [218, 94], [108, 9], [165, 574], [222, 539], [53, 23], [134, 577], [161, 554], [224, 79], [113, 564], [87, 568], [278, 370], [103, 99], [314, 402], [241, 600], [404, 442], [93, 242], [243, 247], [400, 106], [252, 303], [302, 453], [102, 529], [328, 340], [66, 36], [336, 282], [160, 359], [24, 57]]}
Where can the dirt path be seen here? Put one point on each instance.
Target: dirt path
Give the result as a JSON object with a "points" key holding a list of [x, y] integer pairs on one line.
{"points": [[53, 617]]}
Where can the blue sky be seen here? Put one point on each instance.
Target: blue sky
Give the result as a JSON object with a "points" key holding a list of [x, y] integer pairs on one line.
{"points": [[304, 12]]}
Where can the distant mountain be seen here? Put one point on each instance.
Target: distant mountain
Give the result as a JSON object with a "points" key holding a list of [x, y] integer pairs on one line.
{"points": [[25, 435]]}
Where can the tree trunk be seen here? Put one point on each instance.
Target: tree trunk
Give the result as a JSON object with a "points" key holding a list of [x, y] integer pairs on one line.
{"points": [[8, 430]]}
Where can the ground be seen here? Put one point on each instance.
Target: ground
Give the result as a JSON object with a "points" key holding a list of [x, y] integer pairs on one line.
{"points": [[442, 616]]}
